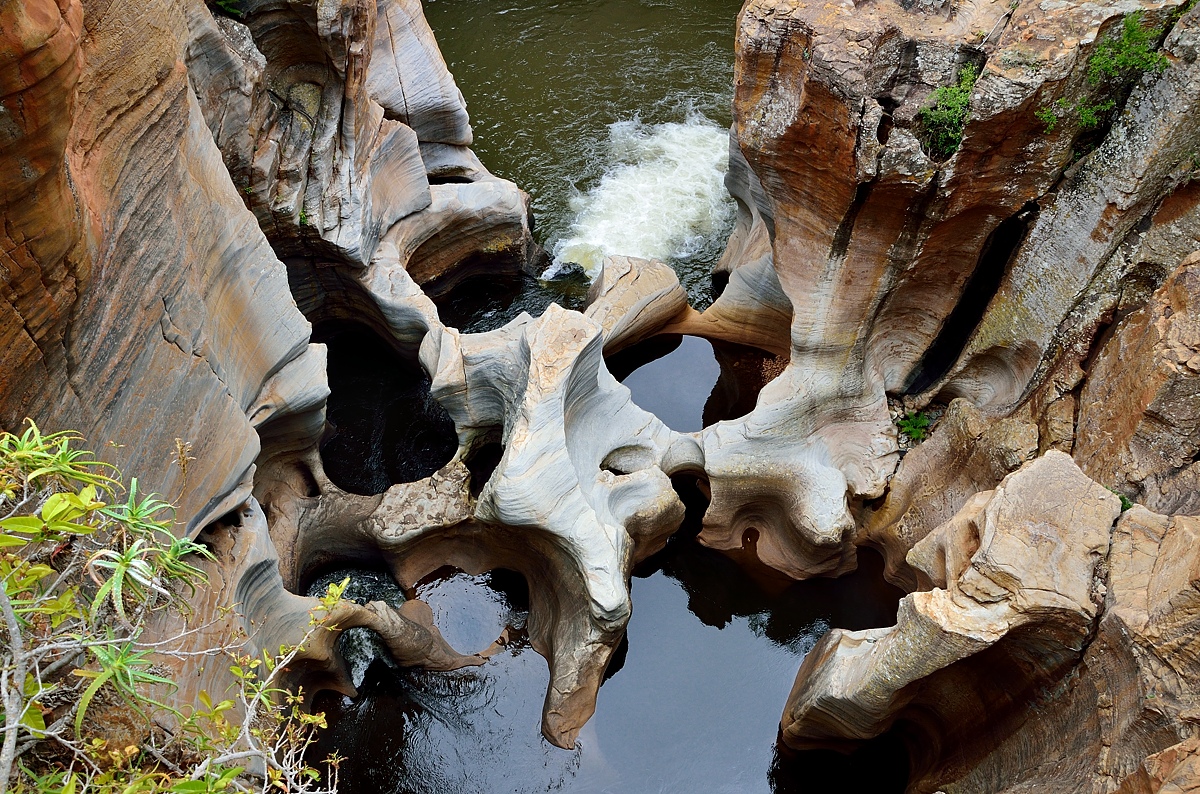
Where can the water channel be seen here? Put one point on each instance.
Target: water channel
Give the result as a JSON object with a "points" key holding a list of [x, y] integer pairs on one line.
{"points": [[613, 115]]}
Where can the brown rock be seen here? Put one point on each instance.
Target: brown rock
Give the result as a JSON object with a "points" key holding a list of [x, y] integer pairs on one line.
{"points": [[966, 454], [1013, 606], [1139, 415]]}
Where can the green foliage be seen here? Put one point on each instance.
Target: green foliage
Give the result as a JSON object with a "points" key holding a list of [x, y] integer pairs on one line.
{"points": [[83, 570], [303, 218], [1125, 503], [914, 424], [942, 123], [1115, 64], [1091, 114], [1048, 117], [1127, 56], [230, 7]]}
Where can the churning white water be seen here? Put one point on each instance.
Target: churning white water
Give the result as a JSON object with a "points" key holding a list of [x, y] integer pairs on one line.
{"points": [[663, 197]]}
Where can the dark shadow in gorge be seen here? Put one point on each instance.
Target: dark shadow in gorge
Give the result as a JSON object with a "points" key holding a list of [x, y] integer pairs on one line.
{"points": [[724, 586], [484, 303], [383, 426], [981, 287]]}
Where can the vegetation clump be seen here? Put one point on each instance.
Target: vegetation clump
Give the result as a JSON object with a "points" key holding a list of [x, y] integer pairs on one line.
{"points": [[84, 570], [1125, 503], [1115, 65], [915, 425], [942, 123]]}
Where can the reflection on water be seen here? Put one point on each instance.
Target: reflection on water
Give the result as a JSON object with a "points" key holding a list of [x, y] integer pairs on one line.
{"points": [[544, 82], [692, 704], [689, 382]]}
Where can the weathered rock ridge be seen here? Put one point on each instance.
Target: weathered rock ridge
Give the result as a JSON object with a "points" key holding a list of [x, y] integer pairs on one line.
{"points": [[185, 192]]}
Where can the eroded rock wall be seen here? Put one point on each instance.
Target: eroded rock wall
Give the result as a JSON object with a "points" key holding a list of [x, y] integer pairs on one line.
{"points": [[158, 158]]}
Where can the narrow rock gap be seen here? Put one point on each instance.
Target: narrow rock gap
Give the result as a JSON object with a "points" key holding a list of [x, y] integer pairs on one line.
{"points": [[841, 238], [383, 426], [482, 461], [977, 295]]}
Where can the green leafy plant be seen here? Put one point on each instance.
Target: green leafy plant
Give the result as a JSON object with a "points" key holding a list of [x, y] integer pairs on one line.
{"points": [[1125, 503], [914, 424], [1048, 117], [83, 569], [1128, 55], [1114, 65], [942, 123], [230, 7]]}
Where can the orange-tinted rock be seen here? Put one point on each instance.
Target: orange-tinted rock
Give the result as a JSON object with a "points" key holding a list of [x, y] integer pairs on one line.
{"points": [[966, 454], [1139, 414]]}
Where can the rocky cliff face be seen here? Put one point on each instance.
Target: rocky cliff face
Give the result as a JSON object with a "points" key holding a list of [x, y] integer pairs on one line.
{"points": [[184, 192], [1040, 274], [158, 162]]}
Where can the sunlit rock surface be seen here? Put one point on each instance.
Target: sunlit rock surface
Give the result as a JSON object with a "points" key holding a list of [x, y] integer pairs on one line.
{"points": [[1011, 588], [988, 275], [1139, 415], [966, 454]]}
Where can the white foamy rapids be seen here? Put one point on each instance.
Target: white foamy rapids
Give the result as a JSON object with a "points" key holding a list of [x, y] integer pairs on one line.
{"points": [[662, 199]]}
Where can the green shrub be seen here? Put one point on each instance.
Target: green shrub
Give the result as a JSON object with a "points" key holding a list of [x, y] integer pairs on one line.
{"points": [[1115, 64], [83, 572], [1125, 503], [1127, 56], [942, 122]]}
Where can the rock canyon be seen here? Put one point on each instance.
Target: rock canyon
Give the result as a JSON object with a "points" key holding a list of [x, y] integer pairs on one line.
{"points": [[208, 207]]}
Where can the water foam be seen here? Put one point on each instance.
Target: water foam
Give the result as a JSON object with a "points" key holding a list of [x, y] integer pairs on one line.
{"points": [[663, 197]]}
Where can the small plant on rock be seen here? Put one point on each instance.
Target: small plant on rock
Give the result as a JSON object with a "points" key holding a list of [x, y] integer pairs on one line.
{"points": [[1125, 503], [1115, 65], [915, 425], [83, 572], [942, 122]]}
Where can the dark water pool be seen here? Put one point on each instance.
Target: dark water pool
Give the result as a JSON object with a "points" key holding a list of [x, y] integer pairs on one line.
{"points": [[689, 382], [382, 425], [692, 703], [484, 303]]}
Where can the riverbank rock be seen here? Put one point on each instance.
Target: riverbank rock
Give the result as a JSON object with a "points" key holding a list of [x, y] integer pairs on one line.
{"points": [[158, 160], [966, 455], [1012, 585], [1046, 649], [986, 270]]}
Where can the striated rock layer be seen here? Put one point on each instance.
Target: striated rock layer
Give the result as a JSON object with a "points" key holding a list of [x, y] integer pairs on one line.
{"points": [[183, 193], [157, 160], [1046, 649], [990, 273]]}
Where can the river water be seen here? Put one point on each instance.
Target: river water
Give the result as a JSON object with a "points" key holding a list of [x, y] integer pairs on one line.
{"points": [[612, 114]]}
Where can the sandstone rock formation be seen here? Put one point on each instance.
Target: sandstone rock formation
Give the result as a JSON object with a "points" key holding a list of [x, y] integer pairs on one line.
{"points": [[145, 305], [1011, 590], [183, 192], [987, 275], [1139, 415], [966, 455], [1039, 654]]}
